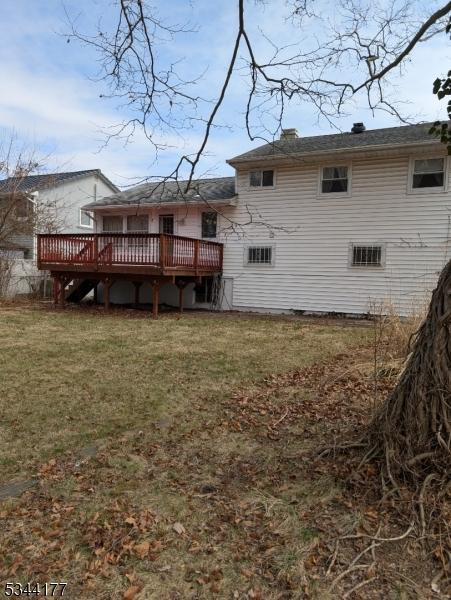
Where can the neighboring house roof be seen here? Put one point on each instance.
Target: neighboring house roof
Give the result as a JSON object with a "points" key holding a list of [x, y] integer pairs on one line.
{"points": [[212, 191], [371, 138], [33, 183]]}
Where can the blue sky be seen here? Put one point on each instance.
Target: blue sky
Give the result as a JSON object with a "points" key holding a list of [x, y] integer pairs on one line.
{"points": [[52, 101]]}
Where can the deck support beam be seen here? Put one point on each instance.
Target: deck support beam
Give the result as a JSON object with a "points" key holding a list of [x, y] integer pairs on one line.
{"points": [[137, 285], [56, 289], [106, 293], [155, 297], [96, 292], [181, 285], [63, 281]]}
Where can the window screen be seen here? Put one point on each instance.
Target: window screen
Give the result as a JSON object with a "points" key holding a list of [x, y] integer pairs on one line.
{"points": [[428, 172], [334, 180], [366, 256], [259, 255], [112, 224], [209, 224]]}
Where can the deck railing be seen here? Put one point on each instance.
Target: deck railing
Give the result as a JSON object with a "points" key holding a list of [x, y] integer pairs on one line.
{"points": [[100, 250]]}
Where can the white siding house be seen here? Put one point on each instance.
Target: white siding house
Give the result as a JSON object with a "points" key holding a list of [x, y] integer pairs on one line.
{"points": [[320, 224], [59, 197]]}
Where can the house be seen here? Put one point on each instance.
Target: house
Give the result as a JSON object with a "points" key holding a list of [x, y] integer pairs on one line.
{"points": [[330, 223], [39, 203]]}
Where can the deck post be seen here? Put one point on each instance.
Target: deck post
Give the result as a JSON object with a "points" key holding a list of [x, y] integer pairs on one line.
{"points": [[62, 290], [56, 285], [96, 292], [155, 297], [137, 285], [181, 285], [196, 256], [106, 293]]}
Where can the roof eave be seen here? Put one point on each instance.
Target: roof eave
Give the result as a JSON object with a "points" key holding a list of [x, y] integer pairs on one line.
{"points": [[382, 148], [143, 204]]}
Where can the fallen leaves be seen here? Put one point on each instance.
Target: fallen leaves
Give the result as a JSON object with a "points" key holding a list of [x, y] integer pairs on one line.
{"points": [[178, 528], [131, 592]]}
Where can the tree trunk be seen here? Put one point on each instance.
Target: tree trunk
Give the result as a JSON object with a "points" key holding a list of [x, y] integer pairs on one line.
{"points": [[412, 430]]}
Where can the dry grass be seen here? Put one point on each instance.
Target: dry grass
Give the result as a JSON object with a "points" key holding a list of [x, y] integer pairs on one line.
{"points": [[203, 421]]}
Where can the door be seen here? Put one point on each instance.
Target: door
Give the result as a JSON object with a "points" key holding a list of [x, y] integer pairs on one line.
{"points": [[167, 224]]}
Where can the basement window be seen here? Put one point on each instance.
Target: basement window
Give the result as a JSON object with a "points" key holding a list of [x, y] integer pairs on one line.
{"points": [[261, 178], [334, 180], [428, 173], [366, 256], [259, 255]]}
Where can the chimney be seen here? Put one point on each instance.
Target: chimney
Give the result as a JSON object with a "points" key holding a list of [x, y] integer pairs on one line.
{"points": [[358, 128], [289, 134]]}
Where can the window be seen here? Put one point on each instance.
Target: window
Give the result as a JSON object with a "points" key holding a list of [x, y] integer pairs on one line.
{"points": [[261, 178], [138, 223], [259, 255], [428, 173], [209, 224], [112, 224], [167, 224], [86, 218], [366, 256], [23, 209], [334, 180]]}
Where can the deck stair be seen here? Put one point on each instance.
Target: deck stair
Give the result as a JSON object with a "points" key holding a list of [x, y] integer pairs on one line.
{"points": [[78, 289]]}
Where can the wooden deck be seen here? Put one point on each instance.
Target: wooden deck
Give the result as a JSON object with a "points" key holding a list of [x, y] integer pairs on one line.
{"points": [[129, 253], [78, 262]]}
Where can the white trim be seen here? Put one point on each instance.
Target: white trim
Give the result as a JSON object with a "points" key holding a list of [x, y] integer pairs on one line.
{"points": [[432, 189], [348, 193], [80, 224], [383, 247], [246, 248]]}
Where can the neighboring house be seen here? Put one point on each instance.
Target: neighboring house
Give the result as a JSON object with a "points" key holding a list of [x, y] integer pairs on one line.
{"points": [[329, 223], [57, 200]]}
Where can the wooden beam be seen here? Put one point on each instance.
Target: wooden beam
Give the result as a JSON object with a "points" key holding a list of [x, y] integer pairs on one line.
{"points": [[155, 297], [96, 292], [62, 289], [137, 285], [56, 289], [106, 293], [181, 285]]}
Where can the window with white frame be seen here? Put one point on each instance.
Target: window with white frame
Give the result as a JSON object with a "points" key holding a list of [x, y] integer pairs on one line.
{"points": [[428, 173], [259, 255], [334, 180], [137, 223], [366, 255], [112, 224], [86, 218], [259, 179]]}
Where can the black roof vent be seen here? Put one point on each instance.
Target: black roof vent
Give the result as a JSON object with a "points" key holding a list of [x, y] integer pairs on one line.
{"points": [[358, 128]]}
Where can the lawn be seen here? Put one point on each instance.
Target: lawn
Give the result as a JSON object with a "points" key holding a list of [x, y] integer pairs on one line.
{"points": [[172, 456]]}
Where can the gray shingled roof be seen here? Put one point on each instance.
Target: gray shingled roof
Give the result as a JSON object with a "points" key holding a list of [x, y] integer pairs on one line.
{"points": [[217, 190], [32, 183], [389, 136]]}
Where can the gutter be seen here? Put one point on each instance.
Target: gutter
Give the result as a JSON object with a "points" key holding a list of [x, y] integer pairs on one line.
{"points": [[229, 202]]}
